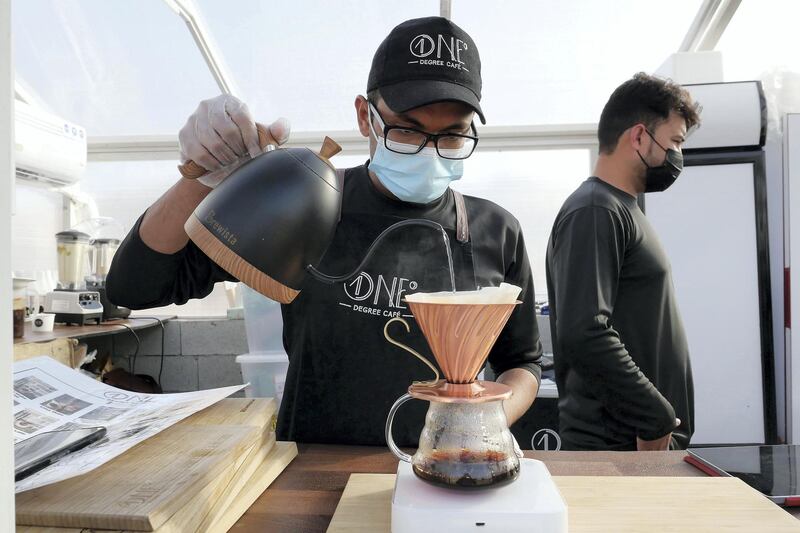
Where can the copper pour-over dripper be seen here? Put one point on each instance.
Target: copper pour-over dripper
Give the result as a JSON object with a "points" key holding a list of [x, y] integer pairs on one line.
{"points": [[460, 337]]}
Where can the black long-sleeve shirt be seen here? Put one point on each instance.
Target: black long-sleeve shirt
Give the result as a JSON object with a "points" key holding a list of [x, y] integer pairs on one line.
{"points": [[620, 352], [343, 376]]}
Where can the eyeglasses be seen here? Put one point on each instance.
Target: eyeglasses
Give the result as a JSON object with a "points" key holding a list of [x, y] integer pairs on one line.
{"points": [[404, 140]]}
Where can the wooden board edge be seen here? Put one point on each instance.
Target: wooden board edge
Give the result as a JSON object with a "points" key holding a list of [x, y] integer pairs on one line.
{"points": [[214, 414], [208, 507], [46, 529], [284, 453], [224, 469]]}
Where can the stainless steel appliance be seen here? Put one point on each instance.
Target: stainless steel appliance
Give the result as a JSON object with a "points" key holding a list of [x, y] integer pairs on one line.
{"points": [[71, 302]]}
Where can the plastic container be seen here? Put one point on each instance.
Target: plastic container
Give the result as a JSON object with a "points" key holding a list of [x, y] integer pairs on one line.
{"points": [[265, 373], [263, 322]]}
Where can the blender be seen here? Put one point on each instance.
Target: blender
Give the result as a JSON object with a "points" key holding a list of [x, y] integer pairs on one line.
{"points": [[466, 472], [102, 253], [71, 302]]}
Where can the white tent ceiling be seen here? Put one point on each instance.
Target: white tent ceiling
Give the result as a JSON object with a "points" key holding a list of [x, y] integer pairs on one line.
{"points": [[130, 67]]}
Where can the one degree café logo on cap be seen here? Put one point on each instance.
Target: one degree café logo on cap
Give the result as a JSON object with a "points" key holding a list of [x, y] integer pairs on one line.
{"points": [[440, 51]]}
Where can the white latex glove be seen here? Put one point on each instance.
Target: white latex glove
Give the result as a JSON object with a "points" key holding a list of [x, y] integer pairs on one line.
{"points": [[221, 135]]}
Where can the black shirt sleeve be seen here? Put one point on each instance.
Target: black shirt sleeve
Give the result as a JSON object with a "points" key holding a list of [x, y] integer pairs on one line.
{"points": [[586, 261], [141, 278], [518, 345]]}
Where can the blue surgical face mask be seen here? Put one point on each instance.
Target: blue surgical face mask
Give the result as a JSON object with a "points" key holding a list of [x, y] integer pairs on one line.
{"points": [[418, 178]]}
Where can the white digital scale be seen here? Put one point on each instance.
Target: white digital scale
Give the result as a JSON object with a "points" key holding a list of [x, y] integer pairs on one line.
{"points": [[531, 504], [74, 307]]}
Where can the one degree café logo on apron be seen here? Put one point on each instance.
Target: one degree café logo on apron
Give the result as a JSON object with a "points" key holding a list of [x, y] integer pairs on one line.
{"points": [[430, 51], [379, 296]]}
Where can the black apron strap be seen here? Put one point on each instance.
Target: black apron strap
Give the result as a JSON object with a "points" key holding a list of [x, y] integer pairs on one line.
{"points": [[462, 222]]}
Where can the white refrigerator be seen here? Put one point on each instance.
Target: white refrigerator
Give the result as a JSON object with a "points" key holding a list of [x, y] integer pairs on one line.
{"points": [[713, 225]]}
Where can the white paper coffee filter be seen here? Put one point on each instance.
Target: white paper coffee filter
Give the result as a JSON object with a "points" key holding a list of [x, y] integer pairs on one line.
{"points": [[504, 294]]}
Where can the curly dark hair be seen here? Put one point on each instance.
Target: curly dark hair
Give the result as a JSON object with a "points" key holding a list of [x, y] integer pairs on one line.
{"points": [[643, 99]]}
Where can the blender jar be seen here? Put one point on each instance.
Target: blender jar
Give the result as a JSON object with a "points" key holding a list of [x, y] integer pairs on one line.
{"points": [[103, 251], [73, 256]]}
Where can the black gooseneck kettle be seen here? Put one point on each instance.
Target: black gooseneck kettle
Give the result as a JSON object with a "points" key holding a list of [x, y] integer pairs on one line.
{"points": [[271, 221]]}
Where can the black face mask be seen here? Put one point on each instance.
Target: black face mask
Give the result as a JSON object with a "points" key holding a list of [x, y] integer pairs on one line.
{"points": [[660, 178]]}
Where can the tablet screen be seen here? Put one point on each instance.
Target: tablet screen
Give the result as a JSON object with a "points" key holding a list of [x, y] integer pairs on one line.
{"points": [[772, 470], [34, 450]]}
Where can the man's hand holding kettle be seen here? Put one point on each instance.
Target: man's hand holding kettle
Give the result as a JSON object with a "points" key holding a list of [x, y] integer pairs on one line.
{"points": [[221, 135]]}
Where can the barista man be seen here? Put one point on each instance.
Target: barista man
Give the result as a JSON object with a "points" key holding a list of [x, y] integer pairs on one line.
{"points": [[621, 358], [423, 92]]}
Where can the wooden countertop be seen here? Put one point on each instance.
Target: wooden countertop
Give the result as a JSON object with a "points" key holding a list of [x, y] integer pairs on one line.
{"points": [[93, 330], [304, 497]]}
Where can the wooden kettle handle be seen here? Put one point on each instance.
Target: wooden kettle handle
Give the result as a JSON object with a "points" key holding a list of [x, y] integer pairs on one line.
{"points": [[191, 170]]}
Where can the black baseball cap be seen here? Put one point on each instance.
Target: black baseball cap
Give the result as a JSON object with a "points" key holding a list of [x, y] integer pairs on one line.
{"points": [[424, 61]]}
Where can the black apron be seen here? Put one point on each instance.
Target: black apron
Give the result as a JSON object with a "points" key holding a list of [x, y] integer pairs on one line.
{"points": [[343, 375]]}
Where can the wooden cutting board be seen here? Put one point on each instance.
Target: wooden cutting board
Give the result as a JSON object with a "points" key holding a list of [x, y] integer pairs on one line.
{"points": [[235, 506], [190, 463], [206, 505], [231, 506], [605, 504], [212, 501]]}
